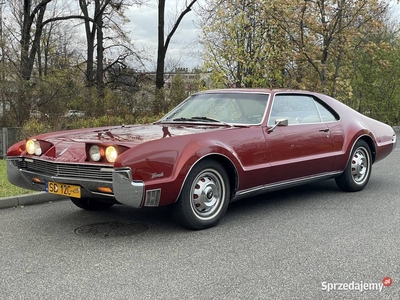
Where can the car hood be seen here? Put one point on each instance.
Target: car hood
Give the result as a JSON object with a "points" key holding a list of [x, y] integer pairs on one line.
{"points": [[69, 146], [127, 135]]}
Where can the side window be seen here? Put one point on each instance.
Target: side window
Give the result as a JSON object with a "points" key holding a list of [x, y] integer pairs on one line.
{"points": [[298, 109], [326, 115]]}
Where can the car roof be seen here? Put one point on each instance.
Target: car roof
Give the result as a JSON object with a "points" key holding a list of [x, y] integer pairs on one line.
{"points": [[253, 90]]}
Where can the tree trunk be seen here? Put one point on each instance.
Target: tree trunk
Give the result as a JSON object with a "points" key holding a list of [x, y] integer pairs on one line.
{"points": [[159, 103], [159, 94], [25, 39], [90, 38], [99, 69]]}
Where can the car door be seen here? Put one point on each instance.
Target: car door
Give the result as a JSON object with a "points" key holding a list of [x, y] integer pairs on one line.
{"points": [[302, 148]]}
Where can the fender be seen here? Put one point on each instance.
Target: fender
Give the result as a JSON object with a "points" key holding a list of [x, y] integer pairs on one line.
{"points": [[167, 169]]}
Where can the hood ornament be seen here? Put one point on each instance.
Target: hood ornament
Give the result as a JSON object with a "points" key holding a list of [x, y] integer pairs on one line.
{"points": [[166, 132], [62, 152]]}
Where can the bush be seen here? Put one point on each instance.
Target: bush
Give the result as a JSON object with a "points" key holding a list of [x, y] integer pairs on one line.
{"points": [[33, 127], [109, 121]]}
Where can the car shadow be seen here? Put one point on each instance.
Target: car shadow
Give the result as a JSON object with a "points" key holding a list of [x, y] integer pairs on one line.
{"points": [[147, 221]]}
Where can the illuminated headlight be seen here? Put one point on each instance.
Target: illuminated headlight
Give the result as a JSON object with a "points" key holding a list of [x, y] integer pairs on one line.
{"points": [[111, 153], [33, 147], [95, 153]]}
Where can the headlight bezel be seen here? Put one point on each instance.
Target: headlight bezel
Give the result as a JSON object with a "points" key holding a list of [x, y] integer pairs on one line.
{"points": [[33, 147], [108, 152], [111, 153], [95, 153]]}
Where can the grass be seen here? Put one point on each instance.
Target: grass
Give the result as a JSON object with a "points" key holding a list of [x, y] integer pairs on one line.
{"points": [[6, 188]]}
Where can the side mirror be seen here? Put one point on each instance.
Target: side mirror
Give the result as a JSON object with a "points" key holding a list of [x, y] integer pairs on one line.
{"points": [[279, 122]]}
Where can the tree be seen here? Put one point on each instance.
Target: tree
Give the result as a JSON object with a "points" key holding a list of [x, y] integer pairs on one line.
{"points": [[376, 84], [243, 47], [324, 35], [177, 93], [291, 43], [105, 16], [29, 17], [41, 42], [162, 49]]}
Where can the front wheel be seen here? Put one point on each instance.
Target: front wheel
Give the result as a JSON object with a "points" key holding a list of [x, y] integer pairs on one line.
{"points": [[358, 170], [91, 204], [204, 198]]}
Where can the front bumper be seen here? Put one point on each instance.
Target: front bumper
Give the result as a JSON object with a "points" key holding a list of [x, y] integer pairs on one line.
{"points": [[125, 190]]}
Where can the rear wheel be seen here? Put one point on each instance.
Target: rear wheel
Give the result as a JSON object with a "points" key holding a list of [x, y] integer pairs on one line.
{"points": [[358, 170], [91, 204], [204, 198]]}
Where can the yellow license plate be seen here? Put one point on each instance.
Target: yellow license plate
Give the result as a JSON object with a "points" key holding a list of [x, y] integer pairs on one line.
{"points": [[63, 189]]}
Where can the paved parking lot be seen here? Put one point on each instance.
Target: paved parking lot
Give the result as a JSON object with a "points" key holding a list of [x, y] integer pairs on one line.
{"points": [[293, 244]]}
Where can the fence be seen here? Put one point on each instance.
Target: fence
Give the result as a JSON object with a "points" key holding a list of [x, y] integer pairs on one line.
{"points": [[9, 136]]}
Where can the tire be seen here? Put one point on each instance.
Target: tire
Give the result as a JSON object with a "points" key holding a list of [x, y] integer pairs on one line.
{"points": [[91, 204], [358, 170], [204, 197]]}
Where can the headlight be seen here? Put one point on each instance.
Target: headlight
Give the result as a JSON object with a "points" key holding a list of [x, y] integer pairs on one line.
{"points": [[95, 153], [111, 153], [33, 147]]}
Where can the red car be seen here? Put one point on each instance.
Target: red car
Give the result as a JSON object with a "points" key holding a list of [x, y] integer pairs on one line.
{"points": [[215, 147]]}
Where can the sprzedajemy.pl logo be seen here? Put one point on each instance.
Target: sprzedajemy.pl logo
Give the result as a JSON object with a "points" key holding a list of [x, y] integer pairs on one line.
{"points": [[360, 286]]}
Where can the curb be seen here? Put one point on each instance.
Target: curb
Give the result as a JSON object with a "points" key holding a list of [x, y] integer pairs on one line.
{"points": [[29, 199]]}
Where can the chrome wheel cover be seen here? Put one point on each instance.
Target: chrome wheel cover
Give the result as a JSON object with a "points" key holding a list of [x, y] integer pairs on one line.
{"points": [[207, 194], [360, 165]]}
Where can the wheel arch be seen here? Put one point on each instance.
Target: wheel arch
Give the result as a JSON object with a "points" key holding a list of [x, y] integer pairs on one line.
{"points": [[370, 143], [357, 172], [226, 163]]}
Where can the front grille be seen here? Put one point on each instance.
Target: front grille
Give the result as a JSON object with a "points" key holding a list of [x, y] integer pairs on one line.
{"points": [[67, 170]]}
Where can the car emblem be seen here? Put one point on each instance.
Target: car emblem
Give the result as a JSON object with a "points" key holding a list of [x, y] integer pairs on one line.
{"points": [[157, 175]]}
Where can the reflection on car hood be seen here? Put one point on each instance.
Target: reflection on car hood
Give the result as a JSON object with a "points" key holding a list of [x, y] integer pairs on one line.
{"points": [[133, 134]]}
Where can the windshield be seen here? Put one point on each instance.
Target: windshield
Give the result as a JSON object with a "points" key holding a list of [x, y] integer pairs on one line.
{"points": [[227, 108]]}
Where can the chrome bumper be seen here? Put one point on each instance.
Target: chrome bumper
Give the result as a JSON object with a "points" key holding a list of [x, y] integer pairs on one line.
{"points": [[17, 177], [127, 191]]}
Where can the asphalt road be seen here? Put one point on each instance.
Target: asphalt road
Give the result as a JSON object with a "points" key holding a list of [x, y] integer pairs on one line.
{"points": [[293, 244]]}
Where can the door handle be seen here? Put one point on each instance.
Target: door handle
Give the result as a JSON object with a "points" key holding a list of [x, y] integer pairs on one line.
{"points": [[324, 130]]}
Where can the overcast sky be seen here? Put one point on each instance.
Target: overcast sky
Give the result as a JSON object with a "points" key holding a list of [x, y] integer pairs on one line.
{"points": [[183, 51]]}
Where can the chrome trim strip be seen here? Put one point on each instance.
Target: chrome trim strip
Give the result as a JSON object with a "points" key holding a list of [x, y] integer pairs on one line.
{"points": [[283, 184], [63, 170], [106, 170]]}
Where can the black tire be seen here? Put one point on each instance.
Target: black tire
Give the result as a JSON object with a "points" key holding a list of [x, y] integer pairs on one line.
{"points": [[358, 170], [204, 198], [91, 204]]}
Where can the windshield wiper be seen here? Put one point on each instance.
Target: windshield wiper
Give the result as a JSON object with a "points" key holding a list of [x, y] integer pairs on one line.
{"points": [[182, 119], [206, 119]]}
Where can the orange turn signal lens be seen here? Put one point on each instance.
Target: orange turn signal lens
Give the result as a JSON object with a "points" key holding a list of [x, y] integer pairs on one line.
{"points": [[105, 189]]}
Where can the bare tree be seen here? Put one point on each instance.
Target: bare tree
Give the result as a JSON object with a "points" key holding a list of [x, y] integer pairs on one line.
{"points": [[163, 48], [102, 17]]}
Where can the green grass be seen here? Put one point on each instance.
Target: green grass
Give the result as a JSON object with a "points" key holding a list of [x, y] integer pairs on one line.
{"points": [[6, 188]]}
